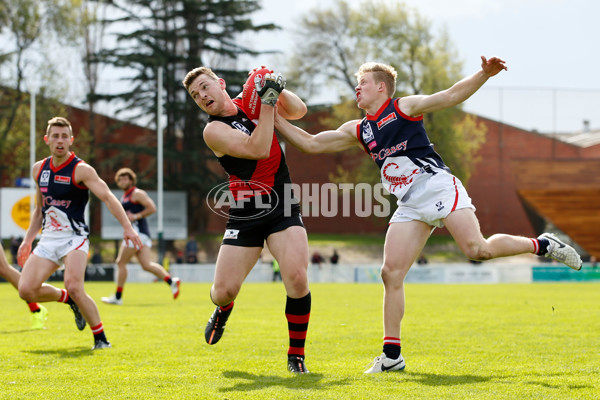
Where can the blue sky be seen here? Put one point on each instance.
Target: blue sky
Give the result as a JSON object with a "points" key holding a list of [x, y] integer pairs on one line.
{"points": [[550, 46]]}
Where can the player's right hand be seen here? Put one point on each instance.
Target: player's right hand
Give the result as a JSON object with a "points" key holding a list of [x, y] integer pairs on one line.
{"points": [[271, 89], [23, 253], [131, 234]]}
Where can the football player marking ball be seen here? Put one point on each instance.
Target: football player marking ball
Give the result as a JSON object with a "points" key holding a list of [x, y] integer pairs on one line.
{"points": [[250, 98]]}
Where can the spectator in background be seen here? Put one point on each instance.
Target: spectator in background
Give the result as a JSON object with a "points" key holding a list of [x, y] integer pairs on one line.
{"points": [[335, 258], [14, 248], [179, 256], [317, 259], [191, 251], [276, 270], [422, 259], [97, 256]]}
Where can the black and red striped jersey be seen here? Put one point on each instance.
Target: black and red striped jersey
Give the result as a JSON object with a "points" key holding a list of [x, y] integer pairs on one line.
{"points": [[248, 178]]}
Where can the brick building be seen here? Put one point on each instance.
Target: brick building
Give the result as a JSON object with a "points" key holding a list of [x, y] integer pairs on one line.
{"points": [[510, 185]]}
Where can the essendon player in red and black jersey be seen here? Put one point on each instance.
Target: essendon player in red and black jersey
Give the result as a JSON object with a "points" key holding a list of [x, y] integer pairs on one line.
{"points": [[252, 157], [254, 184]]}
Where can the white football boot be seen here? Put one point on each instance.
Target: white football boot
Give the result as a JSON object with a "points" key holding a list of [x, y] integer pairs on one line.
{"points": [[562, 252], [383, 364], [112, 300]]}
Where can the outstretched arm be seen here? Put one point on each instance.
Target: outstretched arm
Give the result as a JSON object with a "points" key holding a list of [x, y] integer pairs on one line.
{"points": [[290, 106], [325, 142], [459, 92]]}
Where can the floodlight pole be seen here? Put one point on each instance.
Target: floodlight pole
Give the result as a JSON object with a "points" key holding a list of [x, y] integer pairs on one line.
{"points": [[32, 112], [159, 145]]}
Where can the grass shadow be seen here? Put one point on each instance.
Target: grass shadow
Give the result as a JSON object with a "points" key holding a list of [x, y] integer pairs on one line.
{"points": [[294, 381], [444, 380], [20, 331], [558, 386], [64, 353]]}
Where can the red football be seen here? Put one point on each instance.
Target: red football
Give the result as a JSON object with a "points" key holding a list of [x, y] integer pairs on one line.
{"points": [[250, 99]]}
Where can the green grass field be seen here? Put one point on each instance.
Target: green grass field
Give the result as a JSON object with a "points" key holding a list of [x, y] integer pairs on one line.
{"points": [[505, 341]]}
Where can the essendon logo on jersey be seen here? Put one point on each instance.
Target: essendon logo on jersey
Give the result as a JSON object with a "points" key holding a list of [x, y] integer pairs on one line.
{"points": [[386, 120], [240, 127], [65, 180]]}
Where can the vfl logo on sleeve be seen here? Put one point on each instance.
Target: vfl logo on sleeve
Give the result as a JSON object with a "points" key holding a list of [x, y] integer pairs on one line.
{"points": [[45, 178], [64, 180], [386, 120], [240, 127], [367, 133]]}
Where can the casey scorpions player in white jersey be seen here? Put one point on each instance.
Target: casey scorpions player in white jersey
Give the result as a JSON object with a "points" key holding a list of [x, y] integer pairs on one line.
{"points": [[63, 182], [428, 195]]}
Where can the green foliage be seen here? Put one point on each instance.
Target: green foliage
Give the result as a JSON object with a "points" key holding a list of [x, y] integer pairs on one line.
{"points": [[27, 28], [15, 131], [333, 43], [178, 35], [505, 341]]}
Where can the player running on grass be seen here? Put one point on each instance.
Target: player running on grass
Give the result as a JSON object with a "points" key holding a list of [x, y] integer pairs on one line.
{"points": [[63, 182], [138, 206], [251, 155], [38, 311], [393, 135]]}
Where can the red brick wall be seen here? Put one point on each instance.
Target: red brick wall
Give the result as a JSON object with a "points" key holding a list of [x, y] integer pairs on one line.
{"points": [[491, 186]]}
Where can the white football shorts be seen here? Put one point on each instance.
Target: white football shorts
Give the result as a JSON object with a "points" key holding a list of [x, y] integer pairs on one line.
{"points": [[56, 248], [432, 200], [146, 241]]}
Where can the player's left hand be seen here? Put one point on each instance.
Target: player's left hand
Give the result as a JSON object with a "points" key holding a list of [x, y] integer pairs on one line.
{"points": [[130, 235], [23, 253], [493, 66], [271, 89]]}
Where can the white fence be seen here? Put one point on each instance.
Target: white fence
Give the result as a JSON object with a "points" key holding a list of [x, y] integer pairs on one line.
{"points": [[360, 273]]}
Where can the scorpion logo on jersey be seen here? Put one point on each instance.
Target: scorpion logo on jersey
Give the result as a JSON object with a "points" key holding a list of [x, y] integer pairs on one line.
{"points": [[398, 181]]}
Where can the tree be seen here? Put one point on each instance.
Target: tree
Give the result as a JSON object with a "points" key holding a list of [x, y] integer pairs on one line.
{"points": [[27, 27], [333, 43], [177, 35]]}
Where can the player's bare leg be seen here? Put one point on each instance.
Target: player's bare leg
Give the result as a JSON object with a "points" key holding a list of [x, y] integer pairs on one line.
{"points": [[234, 263], [74, 277], [290, 249], [464, 228], [39, 313], [144, 256], [125, 254], [404, 242]]}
